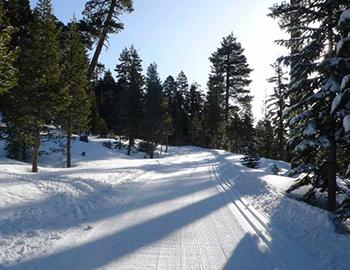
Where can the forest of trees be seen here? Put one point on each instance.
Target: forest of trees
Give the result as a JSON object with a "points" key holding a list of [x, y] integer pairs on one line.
{"points": [[47, 78]]}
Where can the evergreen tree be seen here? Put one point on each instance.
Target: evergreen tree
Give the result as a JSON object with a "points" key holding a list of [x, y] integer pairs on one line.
{"points": [[166, 127], [195, 105], [8, 73], [36, 99], [131, 81], [20, 17], [180, 120], [313, 85], [265, 134], [213, 110], [153, 108], [265, 138], [108, 101], [73, 115], [169, 91], [251, 158], [276, 106], [231, 62], [101, 18], [340, 104]]}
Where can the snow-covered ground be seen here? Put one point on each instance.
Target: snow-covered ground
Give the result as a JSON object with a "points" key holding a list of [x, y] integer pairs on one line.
{"points": [[191, 209]]}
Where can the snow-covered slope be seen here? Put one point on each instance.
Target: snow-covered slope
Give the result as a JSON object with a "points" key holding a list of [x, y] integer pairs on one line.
{"points": [[191, 209]]}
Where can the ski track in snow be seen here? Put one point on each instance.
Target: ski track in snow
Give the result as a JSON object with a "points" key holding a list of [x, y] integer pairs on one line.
{"points": [[192, 209]]}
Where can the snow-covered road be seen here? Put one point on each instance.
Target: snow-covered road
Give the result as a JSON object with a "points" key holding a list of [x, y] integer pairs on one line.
{"points": [[194, 209]]}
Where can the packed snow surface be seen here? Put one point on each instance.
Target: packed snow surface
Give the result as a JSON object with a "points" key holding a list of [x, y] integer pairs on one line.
{"points": [[192, 208]]}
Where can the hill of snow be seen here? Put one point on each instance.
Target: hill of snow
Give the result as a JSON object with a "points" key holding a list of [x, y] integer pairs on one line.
{"points": [[191, 209]]}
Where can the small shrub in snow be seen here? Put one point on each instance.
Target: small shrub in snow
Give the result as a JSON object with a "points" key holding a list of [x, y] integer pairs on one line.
{"points": [[108, 144], [251, 158], [274, 169]]}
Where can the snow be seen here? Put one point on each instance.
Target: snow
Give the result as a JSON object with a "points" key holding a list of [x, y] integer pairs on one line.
{"points": [[331, 86], [300, 117], [345, 83], [335, 103], [193, 208], [342, 45], [310, 130], [344, 18], [346, 123]]}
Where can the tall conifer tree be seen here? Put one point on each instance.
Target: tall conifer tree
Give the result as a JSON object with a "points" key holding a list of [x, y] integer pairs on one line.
{"points": [[39, 78], [153, 108], [73, 114], [131, 81]]}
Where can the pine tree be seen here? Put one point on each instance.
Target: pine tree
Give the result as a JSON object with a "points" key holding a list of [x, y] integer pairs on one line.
{"points": [[232, 63], [8, 73], [73, 115], [313, 85], [37, 95], [195, 105], [276, 106], [265, 134], [213, 110], [20, 17], [265, 138], [169, 91], [251, 158], [131, 81], [180, 120], [108, 101], [101, 18], [153, 108]]}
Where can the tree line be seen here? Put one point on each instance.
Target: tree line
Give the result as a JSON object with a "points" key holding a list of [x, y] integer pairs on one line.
{"points": [[46, 77], [49, 79]]}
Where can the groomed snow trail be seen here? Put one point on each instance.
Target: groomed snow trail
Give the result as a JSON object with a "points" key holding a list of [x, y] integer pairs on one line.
{"points": [[186, 212]]}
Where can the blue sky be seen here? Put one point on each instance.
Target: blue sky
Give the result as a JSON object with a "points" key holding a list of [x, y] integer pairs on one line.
{"points": [[182, 34]]}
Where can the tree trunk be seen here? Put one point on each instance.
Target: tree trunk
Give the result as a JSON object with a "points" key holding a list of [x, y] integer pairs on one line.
{"points": [[69, 143], [151, 150], [166, 143], [35, 154], [120, 142], [24, 151], [102, 39], [129, 145], [227, 95], [332, 155], [332, 175]]}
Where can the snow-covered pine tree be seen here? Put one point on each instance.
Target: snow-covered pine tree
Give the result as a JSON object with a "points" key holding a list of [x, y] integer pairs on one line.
{"points": [[251, 158], [153, 108], [341, 102], [131, 81], [313, 86], [277, 103], [74, 112]]}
